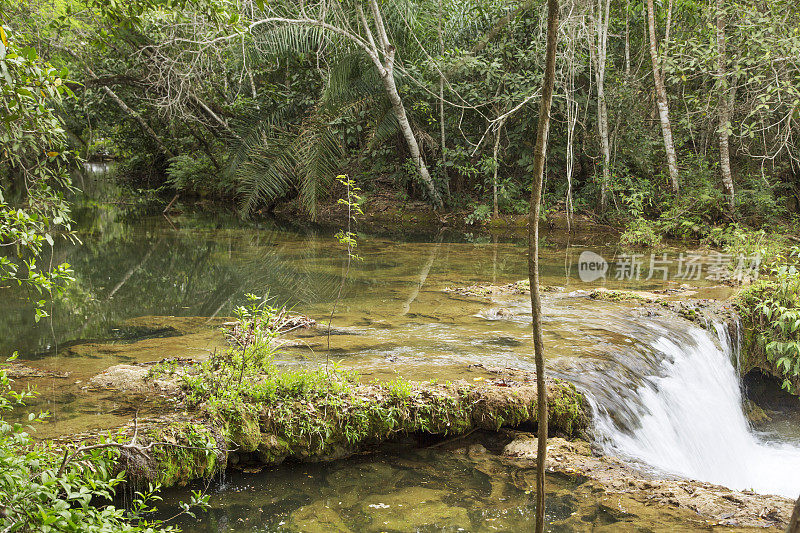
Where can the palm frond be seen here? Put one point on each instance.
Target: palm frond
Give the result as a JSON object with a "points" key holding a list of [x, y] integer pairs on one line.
{"points": [[252, 130], [287, 39], [386, 125], [267, 173], [319, 153]]}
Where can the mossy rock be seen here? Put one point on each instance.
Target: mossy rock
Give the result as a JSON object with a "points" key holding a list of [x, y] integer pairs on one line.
{"points": [[610, 295], [755, 414], [340, 423]]}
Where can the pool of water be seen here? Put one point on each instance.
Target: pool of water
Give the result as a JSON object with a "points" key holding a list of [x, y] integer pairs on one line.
{"points": [[148, 288], [467, 486]]}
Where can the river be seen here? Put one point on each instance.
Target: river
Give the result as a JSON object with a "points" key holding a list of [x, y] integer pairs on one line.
{"points": [[665, 392]]}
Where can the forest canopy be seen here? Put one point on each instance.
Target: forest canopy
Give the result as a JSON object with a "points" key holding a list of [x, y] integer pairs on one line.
{"points": [[668, 116]]}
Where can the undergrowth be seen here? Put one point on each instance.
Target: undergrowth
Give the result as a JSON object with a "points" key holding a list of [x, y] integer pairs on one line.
{"points": [[275, 412], [770, 309]]}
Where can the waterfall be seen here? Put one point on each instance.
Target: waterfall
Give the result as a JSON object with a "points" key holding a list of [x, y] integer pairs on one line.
{"points": [[679, 411]]}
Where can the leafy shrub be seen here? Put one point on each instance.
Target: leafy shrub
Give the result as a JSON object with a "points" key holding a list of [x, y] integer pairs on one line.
{"points": [[738, 241], [756, 201], [195, 173], [480, 214], [772, 309], [41, 489], [640, 232]]}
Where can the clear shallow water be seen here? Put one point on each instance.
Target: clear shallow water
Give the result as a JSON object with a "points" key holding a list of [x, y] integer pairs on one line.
{"points": [[464, 487], [148, 288], [420, 490]]}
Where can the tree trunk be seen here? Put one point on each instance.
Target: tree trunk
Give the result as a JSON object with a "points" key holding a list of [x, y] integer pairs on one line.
{"points": [[599, 54], [496, 210], [386, 70], [540, 149], [661, 101], [138, 118], [572, 108], [411, 140], [628, 38], [445, 177], [723, 111], [794, 522], [602, 124]]}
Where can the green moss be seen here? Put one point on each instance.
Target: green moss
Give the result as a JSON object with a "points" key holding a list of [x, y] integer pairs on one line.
{"points": [[567, 410], [617, 296], [191, 450], [249, 406], [338, 424]]}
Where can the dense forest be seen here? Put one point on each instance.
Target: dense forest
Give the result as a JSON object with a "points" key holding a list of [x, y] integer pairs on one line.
{"points": [[645, 121], [681, 113]]}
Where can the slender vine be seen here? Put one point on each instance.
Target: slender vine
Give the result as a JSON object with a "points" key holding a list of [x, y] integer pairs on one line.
{"points": [[348, 240]]}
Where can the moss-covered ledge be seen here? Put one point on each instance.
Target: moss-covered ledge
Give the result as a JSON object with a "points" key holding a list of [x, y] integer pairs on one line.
{"points": [[341, 422]]}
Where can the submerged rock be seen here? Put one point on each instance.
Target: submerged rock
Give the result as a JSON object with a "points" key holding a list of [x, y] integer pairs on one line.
{"points": [[138, 379], [483, 291], [414, 509], [317, 518], [18, 371], [630, 494]]}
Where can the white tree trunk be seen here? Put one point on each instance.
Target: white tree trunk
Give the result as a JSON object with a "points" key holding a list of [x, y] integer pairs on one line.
{"points": [[572, 120], [443, 139], [496, 210], [723, 111], [411, 140], [628, 38], [662, 103], [386, 69], [599, 54]]}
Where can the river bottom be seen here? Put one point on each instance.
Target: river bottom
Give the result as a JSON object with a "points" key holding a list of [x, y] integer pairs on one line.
{"points": [[469, 487]]}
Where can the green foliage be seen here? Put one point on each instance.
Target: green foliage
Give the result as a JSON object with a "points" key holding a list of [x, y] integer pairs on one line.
{"points": [[771, 308], [43, 487], [296, 105], [32, 155], [480, 213], [40, 490], [640, 232], [195, 173], [353, 201], [737, 240]]}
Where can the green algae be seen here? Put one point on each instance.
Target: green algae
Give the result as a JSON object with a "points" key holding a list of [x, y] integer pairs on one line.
{"points": [[343, 418]]}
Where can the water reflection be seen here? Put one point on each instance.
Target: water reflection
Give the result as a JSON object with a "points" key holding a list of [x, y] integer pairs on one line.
{"points": [[417, 490], [140, 279]]}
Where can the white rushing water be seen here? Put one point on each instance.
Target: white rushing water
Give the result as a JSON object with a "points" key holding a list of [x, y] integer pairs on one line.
{"points": [[688, 420]]}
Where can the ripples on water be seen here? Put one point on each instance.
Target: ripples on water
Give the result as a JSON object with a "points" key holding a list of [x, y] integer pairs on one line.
{"points": [[665, 392]]}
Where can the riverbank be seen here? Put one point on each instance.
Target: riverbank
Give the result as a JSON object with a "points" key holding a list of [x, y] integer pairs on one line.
{"points": [[318, 415], [397, 323]]}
